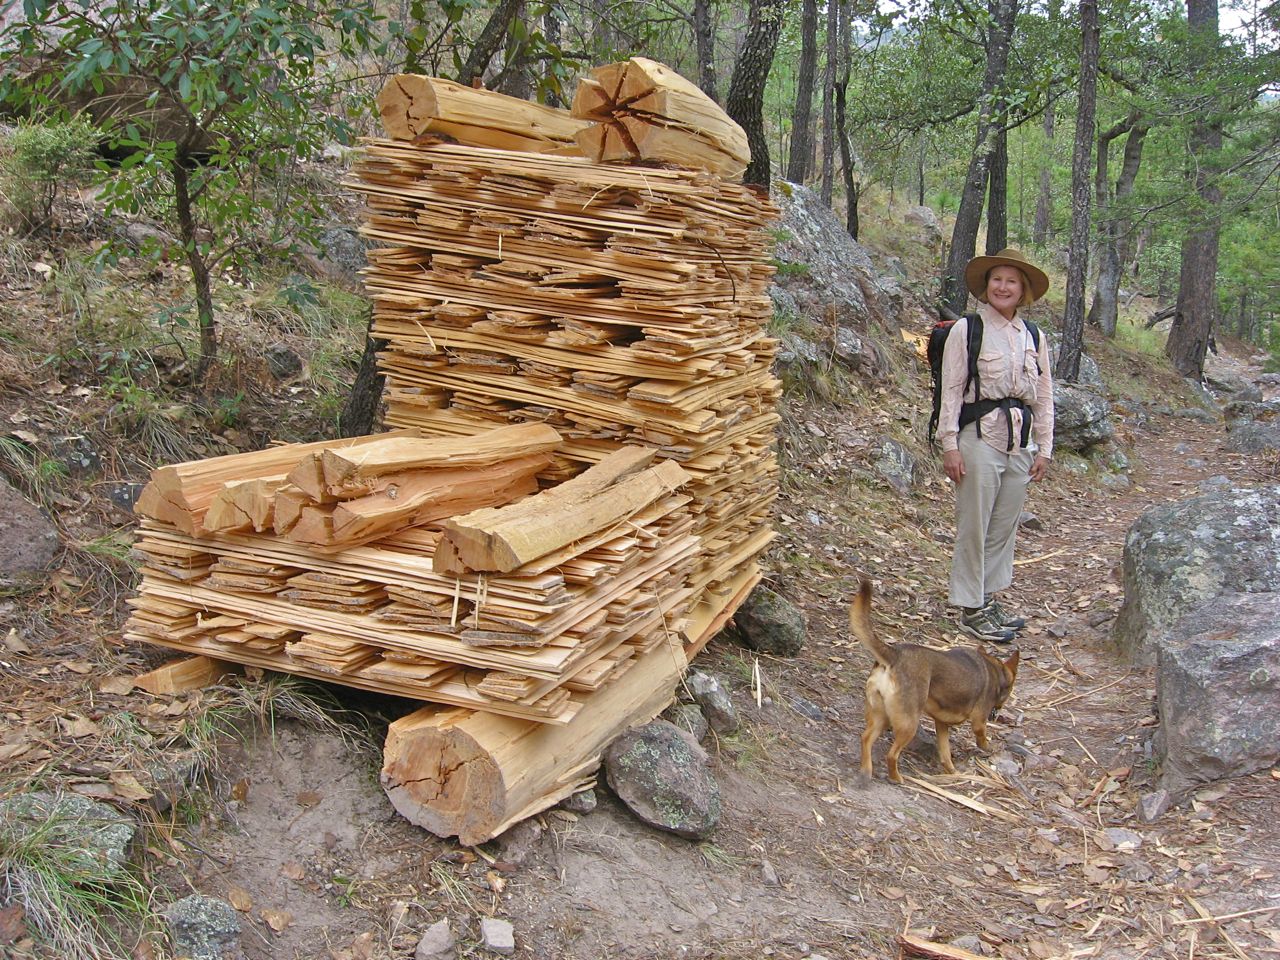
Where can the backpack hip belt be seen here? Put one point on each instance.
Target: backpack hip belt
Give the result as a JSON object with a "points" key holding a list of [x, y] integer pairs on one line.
{"points": [[974, 412]]}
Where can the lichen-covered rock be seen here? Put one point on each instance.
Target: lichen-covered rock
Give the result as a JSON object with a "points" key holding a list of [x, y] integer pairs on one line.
{"points": [[92, 838], [1179, 555], [28, 541], [1231, 385], [664, 777], [897, 465], [204, 928], [1089, 376], [769, 623], [1218, 691], [1252, 427], [1081, 418], [828, 268]]}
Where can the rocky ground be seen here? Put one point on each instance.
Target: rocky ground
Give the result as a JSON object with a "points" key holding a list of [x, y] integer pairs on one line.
{"points": [[1047, 848]]}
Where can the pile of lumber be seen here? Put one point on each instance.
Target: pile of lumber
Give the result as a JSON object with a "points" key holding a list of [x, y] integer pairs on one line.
{"points": [[497, 598], [621, 305]]}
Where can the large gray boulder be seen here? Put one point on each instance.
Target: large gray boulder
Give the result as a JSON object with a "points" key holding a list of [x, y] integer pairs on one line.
{"points": [[1231, 385], [664, 777], [1179, 555], [768, 623], [92, 839], [1252, 427], [1218, 691], [826, 273], [1081, 418], [1088, 376], [28, 541]]}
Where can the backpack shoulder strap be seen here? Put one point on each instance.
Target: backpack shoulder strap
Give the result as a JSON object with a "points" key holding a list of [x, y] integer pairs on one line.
{"points": [[974, 346]]}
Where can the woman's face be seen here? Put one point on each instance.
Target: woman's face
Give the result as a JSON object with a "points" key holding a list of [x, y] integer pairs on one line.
{"points": [[1004, 289]]}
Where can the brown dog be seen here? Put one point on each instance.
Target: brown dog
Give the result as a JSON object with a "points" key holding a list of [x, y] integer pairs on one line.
{"points": [[909, 681]]}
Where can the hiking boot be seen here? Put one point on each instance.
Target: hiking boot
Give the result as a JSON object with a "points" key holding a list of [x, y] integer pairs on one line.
{"points": [[1002, 617], [981, 625]]}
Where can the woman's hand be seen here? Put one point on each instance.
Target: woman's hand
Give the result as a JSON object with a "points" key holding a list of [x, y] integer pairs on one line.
{"points": [[953, 464], [1040, 468]]}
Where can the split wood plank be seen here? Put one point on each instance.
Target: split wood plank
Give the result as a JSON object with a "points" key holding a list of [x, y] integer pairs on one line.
{"points": [[503, 539], [183, 676]]}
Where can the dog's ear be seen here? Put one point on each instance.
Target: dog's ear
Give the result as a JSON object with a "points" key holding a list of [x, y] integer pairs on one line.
{"points": [[1012, 664]]}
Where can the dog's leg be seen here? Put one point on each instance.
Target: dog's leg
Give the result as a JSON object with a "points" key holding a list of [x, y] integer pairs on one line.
{"points": [[944, 746], [903, 734], [876, 723], [979, 724]]}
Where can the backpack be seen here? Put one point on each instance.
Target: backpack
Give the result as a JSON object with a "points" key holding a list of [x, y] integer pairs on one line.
{"points": [[933, 353]]}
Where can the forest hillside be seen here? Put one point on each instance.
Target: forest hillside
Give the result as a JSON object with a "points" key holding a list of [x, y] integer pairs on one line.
{"points": [[264, 795]]}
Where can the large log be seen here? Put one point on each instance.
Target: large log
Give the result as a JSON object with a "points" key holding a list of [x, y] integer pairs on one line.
{"points": [[645, 109], [411, 105], [504, 538], [472, 775]]}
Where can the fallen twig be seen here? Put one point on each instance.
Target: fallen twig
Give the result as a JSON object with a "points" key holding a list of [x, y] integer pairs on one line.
{"points": [[962, 800]]}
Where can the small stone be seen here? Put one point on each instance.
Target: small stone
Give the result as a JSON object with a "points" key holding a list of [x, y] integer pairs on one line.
{"points": [[518, 842], [689, 716], [1154, 805], [1006, 765], [498, 936], [438, 943], [972, 944], [584, 801], [1058, 630], [1123, 839], [768, 874], [807, 708], [1030, 521]]}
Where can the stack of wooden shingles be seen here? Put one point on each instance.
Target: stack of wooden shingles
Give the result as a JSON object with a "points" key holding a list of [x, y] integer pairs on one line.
{"points": [[402, 565], [623, 305]]}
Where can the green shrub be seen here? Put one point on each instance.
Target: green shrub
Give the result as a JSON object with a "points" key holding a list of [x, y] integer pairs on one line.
{"points": [[39, 160]]}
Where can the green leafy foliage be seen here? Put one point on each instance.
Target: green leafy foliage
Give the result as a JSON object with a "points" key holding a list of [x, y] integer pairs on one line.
{"points": [[210, 108], [39, 161]]}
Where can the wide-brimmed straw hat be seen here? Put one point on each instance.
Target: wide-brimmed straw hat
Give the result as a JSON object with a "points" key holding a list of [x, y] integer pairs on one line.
{"points": [[975, 273]]}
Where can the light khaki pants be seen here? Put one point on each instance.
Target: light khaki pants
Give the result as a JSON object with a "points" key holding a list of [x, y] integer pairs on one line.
{"points": [[989, 499]]}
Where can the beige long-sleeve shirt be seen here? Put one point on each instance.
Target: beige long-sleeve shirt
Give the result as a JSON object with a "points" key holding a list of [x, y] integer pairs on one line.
{"points": [[1008, 366]]}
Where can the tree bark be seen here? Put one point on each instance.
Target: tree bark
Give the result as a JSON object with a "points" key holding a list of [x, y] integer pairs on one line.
{"points": [[489, 41], [1113, 229], [206, 322], [964, 234], [998, 192], [829, 132], [1072, 346], [704, 41], [852, 189], [802, 113], [551, 24], [360, 413], [1192, 327], [745, 102], [1044, 198]]}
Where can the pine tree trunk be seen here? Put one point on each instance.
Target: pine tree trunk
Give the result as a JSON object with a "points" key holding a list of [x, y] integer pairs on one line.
{"points": [[1072, 346], [704, 39], [489, 41], [852, 190], [1192, 327], [964, 234], [745, 102], [360, 413], [1044, 198], [1105, 309], [998, 193], [802, 112], [829, 132], [200, 278]]}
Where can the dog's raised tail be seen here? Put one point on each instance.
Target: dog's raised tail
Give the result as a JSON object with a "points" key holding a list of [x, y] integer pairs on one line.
{"points": [[860, 625]]}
